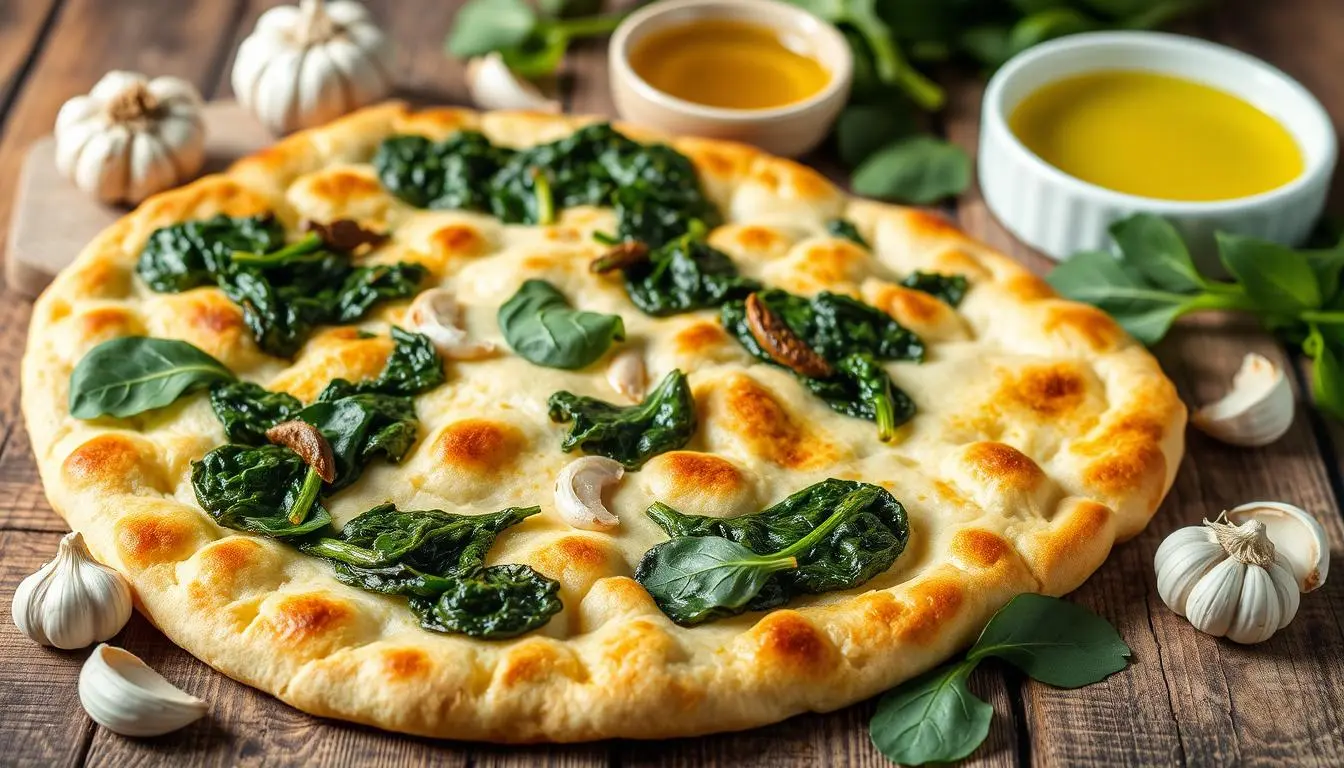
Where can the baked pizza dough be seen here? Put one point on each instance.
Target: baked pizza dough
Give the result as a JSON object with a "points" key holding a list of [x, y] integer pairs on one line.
{"points": [[1043, 435]]}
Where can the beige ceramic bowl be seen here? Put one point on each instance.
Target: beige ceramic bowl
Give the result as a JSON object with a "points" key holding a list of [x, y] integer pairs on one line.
{"points": [[788, 130]]}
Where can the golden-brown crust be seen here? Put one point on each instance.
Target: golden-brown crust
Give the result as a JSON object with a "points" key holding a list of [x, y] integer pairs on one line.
{"points": [[1044, 434]]}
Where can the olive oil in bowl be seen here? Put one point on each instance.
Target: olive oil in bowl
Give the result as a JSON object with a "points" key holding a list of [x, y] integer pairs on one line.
{"points": [[1157, 136], [726, 63]]}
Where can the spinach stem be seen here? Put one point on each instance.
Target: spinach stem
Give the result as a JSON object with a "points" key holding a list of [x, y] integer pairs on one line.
{"points": [[1222, 300], [541, 184], [346, 553], [312, 483], [304, 247], [885, 412]]}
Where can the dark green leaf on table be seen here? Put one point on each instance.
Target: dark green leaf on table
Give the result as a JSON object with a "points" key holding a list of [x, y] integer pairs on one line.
{"points": [[130, 375], [1327, 372], [630, 434], [863, 129], [531, 44], [1100, 279], [846, 229], [1277, 278], [490, 25], [540, 325], [933, 718], [1152, 246], [920, 170], [949, 289]]}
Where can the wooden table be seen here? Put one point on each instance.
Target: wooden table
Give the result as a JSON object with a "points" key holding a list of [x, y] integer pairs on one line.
{"points": [[1186, 699]]}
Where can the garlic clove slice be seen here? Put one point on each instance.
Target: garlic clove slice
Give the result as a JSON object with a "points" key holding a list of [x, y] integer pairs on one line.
{"points": [[122, 694], [494, 86], [1257, 410], [1297, 536], [627, 374], [578, 492], [436, 314]]}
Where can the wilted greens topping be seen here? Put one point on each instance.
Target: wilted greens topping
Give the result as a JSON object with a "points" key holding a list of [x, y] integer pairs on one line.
{"points": [[630, 434]]}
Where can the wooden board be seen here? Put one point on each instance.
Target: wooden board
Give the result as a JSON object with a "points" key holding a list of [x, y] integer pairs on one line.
{"points": [[53, 219]]}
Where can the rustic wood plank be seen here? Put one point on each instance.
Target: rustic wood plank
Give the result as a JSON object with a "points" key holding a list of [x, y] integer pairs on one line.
{"points": [[43, 722], [22, 26]]}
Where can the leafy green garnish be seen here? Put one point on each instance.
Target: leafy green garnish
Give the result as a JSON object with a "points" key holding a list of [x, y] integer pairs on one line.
{"points": [[846, 229], [453, 173], [935, 718], [684, 275], [853, 337], [834, 535], [532, 44], [246, 410], [1294, 293], [284, 291], [413, 367], [438, 560], [632, 434], [257, 489], [920, 169], [950, 289], [133, 374], [541, 326]]}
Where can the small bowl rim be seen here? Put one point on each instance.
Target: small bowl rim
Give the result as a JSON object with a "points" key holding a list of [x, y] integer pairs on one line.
{"points": [[620, 57], [1312, 173]]}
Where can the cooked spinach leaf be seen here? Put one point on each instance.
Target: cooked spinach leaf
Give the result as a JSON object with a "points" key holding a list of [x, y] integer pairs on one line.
{"points": [[189, 255], [846, 229], [852, 337], [413, 367], [950, 289], [453, 173], [542, 327], [438, 559], [360, 427], [683, 275], [258, 489], [247, 410], [841, 533], [133, 374], [633, 434]]}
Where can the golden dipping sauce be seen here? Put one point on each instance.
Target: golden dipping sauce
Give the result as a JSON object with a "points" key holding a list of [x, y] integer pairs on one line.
{"points": [[1156, 136], [726, 63]]}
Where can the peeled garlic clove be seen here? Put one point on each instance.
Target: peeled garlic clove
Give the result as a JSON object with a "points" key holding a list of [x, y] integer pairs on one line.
{"points": [[72, 601], [626, 374], [435, 313], [494, 86], [122, 694], [578, 492], [1296, 535], [1257, 411]]}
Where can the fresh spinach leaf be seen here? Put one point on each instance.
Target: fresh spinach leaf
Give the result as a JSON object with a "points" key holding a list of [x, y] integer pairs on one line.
{"points": [[684, 275], [950, 289], [936, 719], [1327, 373], [258, 489], [833, 535], [920, 170], [497, 602], [1098, 278], [133, 374], [542, 327], [632, 434], [863, 390], [863, 129], [846, 229]]}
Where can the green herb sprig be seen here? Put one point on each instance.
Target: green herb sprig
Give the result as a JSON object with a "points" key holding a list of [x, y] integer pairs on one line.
{"points": [[1294, 293], [532, 44], [936, 719]]}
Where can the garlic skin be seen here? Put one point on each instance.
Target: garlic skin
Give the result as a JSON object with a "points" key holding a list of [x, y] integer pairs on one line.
{"points": [[131, 137], [578, 492], [493, 85], [122, 694], [436, 314], [1297, 536], [1228, 580], [1257, 410], [627, 375], [307, 64], [72, 601]]}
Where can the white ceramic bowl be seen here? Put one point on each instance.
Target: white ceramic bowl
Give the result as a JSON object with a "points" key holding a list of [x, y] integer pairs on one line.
{"points": [[1060, 215], [789, 130]]}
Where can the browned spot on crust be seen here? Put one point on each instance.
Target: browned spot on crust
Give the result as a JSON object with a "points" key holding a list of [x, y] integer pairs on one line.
{"points": [[341, 184], [913, 306], [1060, 549], [301, 618], [102, 278], [931, 225], [789, 641], [337, 353], [932, 604], [563, 234], [583, 550], [227, 558], [149, 537], [112, 462], [1093, 327], [1129, 468], [957, 261], [698, 338], [830, 264], [769, 429], [575, 561], [702, 471], [534, 661], [1050, 391], [212, 194], [1004, 466], [478, 445], [106, 322], [718, 159], [437, 123], [758, 238], [979, 548], [457, 240], [1028, 287], [402, 664], [212, 313]]}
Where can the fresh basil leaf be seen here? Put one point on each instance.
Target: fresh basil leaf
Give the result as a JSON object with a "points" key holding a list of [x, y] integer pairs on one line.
{"points": [[133, 374], [1154, 248], [919, 170], [932, 719], [1277, 278], [863, 129], [542, 327], [630, 434], [1053, 641], [483, 26]]}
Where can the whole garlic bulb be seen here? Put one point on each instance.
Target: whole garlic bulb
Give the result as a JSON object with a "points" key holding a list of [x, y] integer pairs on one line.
{"points": [[72, 601], [131, 137], [124, 695], [304, 65], [1228, 580]]}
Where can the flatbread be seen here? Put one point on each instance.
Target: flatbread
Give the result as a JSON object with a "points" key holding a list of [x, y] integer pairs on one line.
{"points": [[1043, 435]]}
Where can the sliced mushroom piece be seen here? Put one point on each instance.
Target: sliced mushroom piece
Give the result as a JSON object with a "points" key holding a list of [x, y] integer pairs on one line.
{"points": [[305, 439], [621, 256], [627, 374], [344, 235], [780, 342], [578, 492], [436, 314]]}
